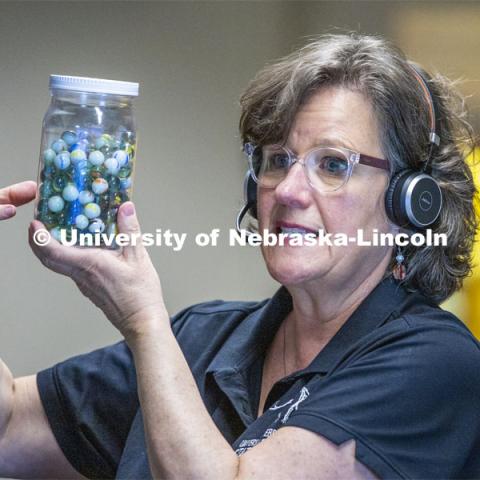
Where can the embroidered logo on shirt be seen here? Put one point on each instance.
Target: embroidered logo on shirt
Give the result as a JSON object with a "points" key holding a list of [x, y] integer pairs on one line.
{"points": [[247, 444], [304, 393], [276, 407]]}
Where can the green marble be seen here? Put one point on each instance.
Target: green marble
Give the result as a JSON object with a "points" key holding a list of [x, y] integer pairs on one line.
{"points": [[48, 172], [46, 189], [42, 209], [103, 201], [60, 182], [48, 220], [97, 172], [124, 172], [61, 219], [111, 216], [114, 184]]}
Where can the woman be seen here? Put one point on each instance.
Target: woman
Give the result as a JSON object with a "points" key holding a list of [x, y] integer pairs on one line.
{"points": [[348, 371]]}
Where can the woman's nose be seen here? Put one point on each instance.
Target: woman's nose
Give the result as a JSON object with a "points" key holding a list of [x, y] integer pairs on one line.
{"points": [[294, 190]]}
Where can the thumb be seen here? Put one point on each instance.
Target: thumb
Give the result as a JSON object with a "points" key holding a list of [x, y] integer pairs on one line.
{"points": [[127, 222]]}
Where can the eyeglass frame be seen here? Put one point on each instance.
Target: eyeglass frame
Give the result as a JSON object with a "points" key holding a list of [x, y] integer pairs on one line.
{"points": [[353, 158]]}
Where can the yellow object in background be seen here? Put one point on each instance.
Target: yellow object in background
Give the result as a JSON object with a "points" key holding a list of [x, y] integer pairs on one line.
{"points": [[466, 303]]}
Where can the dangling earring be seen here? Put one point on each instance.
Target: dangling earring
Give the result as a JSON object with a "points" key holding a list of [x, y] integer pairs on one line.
{"points": [[399, 270]]}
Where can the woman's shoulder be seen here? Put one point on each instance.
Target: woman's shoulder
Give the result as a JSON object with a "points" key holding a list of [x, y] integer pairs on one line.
{"points": [[427, 339], [214, 312], [433, 321]]}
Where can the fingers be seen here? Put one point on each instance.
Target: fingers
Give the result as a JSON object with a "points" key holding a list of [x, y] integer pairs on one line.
{"points": [[127, 222], [55, 256], [7, 211], [19, 193]]}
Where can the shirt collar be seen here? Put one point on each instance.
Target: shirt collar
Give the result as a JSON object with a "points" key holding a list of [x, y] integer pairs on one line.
{"points": [[256, 331]]}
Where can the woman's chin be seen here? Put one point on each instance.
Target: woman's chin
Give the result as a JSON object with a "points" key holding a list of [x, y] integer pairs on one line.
{"points": [[294, 272]]}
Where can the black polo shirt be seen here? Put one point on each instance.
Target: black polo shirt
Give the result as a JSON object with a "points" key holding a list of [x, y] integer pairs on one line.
{"points": [[401, 377]]}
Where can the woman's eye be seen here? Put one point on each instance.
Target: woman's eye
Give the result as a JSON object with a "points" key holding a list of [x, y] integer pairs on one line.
{"points": [[278, 161], [334, 165]]}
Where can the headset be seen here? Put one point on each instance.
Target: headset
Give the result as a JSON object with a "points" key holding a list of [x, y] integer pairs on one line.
{"points": [[413, 199]]}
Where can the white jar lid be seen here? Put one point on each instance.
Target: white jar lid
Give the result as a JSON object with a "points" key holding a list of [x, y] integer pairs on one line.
{"points": [[93, 85]]}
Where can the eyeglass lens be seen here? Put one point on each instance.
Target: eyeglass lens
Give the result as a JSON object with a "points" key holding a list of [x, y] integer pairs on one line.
{"points": [[327, 168]]}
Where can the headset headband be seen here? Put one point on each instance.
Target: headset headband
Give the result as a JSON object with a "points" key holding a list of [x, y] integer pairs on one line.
{"points": [[433, 137]]}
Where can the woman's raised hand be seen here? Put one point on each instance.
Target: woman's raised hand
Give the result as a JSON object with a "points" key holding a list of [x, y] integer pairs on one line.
{"points": [[14, 196], [122, 283]]}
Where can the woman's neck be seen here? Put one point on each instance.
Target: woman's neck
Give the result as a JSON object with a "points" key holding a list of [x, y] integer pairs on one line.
{"points": [[318, 313]]}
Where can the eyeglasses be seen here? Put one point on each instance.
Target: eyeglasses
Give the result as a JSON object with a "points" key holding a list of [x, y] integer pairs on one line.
{"points": [[327, 168]]}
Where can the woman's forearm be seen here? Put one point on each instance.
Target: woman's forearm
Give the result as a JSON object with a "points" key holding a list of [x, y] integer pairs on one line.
{"points": [[182, 440]]}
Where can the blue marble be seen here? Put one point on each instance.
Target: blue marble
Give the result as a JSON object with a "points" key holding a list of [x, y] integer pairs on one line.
{"points": [[112, 165], [49, 156], [91, 210], [59, 146], [80, 165], [62, 160], [56, 203], [69, 137], [83, 134], [125, 183], [99, 186], [96, 158], [81, 222], [81, 145], [97, 226], [86, 196], [70, 193], [122, 157], [78, 156]]}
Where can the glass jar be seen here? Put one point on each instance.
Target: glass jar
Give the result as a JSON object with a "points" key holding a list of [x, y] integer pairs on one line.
{"points": [[87, 157]]}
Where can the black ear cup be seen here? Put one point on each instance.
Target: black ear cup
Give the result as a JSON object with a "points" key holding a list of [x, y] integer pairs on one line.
{"points": [[392, 188], [413, 200], [250, 194]]}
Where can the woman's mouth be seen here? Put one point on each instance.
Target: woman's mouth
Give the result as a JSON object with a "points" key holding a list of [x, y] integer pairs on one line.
{"points": [[294, 229]]}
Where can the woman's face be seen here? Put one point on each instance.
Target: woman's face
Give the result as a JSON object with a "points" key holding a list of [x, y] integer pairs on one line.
{"points": [[331, 117]]}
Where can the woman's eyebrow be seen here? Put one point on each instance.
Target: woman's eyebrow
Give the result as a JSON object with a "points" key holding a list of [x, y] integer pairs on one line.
{"points": [[332, 142], [326, 142]]}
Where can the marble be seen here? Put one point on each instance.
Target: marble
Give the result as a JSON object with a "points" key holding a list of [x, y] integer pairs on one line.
{"points": [[96, 226], [96, 158], [69, 137], [86, 196], [59, 182], [112, 165], [81, 222], [59, 146], [49, 156], [99, 186], [62, 161], [92, 210], [56, 203], [70, 193]]}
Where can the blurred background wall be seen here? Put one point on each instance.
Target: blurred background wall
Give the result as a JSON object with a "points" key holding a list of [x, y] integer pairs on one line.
{"points": [[192, 59]]}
